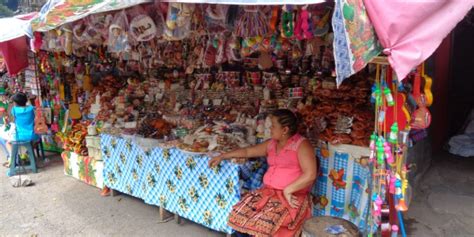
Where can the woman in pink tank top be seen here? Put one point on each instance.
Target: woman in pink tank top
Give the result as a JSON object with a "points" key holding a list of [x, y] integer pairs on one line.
{"points": [[282, 205]]}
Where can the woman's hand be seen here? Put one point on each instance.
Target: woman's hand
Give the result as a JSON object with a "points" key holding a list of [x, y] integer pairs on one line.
{"points": [[215, 161], [292, 200]]}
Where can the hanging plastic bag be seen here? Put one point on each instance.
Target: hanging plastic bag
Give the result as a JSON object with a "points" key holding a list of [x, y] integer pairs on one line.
{"points": [[79, 32], [68, 38], [101, 23], [142, 28], [118, 41], [216, 17], [159, 20], [178, 21]]}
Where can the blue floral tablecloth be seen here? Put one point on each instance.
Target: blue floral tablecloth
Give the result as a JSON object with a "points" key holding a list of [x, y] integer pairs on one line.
{"points": [[184, 184], [180, 182]]}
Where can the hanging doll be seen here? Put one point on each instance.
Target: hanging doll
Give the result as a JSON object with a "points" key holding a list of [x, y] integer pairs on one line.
{"points": [[252, 23]]}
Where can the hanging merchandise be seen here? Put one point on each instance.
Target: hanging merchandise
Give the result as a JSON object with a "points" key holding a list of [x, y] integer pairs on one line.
{"points": [[302, 28], [68, 39], [37, 42], [178, 21], [397, 115], [118, 39], [356, 43], [421, 116], [390, 190], [287, 22], [216, 17], [427, 81], [40, 126], [142, 28], [252, 23]]}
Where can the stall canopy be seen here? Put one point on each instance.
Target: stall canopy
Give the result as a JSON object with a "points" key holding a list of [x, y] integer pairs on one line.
{"points": [[14, 43], [410, 31], [14, 27], [58, 12]]}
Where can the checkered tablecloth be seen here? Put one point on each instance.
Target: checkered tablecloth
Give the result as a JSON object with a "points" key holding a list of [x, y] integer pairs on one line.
{"points": [[184, 184], [178, 181]]}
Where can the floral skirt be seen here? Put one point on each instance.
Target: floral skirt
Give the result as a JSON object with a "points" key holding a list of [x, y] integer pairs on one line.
{"points": [[265, 212]]}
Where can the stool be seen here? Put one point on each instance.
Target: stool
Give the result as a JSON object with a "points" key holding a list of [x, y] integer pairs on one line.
{"points": [[15, 153], [39, 149], [316, 227]]}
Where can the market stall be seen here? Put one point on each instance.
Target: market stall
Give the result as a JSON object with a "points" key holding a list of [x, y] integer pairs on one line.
{"points": [[160, 106], [152, 91]]}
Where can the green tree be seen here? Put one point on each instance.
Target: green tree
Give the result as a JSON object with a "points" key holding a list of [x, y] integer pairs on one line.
{"points": [[5, 11]]}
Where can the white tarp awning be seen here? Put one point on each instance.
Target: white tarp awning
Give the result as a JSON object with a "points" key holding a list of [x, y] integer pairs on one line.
{"points": [[14, 27]]}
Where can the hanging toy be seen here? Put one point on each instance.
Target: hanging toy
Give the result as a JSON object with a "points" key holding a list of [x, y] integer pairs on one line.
{"points": [[377, 208], [388, 96], [373, 137], [373, 95], [388, 153], [393, 180], [380, 151], [393, 137], [287, 22]]}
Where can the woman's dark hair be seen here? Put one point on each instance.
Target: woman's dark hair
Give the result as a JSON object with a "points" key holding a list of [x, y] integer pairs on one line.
{"points": [[20, 99], [287, 119]]}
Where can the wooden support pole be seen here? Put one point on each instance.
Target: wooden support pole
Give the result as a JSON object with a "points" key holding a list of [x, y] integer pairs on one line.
{"points": [[164, 215], [177, 218], [382, 60], [115, 192]]}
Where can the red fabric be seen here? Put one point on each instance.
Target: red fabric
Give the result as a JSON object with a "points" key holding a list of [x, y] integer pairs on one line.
{"points": [[15, 54], [265, 212], [283, 166]]}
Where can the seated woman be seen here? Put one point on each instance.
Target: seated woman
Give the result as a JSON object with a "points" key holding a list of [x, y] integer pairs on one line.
{"points": [[282, 205]]}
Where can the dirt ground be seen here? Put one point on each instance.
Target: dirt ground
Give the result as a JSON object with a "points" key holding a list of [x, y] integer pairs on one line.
{"points": [[58, 205], [443, 204]]}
